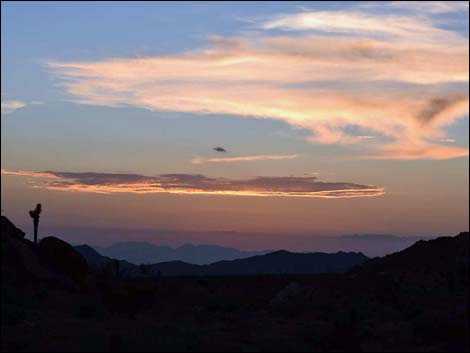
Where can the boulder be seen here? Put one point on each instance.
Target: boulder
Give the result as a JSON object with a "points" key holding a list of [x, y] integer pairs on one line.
{"points": [[62, 258], [20, 262], [9, 228], [287, 294]]}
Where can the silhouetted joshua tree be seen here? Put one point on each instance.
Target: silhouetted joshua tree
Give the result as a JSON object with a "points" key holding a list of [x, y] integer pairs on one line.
{"points": [[35, 216]]}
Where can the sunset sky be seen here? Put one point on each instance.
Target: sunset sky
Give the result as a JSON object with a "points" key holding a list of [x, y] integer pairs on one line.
{"points": [[332, 118]]}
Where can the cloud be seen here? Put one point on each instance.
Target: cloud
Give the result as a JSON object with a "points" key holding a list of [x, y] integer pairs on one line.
{"points": [[262, 157], [12, 105], [193, 184], [399, 76], [421, 151], [447, 140], [430, 7], [29, 174], [365, 137], [405, 28]]}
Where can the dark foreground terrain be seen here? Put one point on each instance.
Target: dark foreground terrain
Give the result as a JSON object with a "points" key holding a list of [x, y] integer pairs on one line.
{"points": [[415, 300]]}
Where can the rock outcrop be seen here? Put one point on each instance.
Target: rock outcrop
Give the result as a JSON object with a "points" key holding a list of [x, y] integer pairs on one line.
{"points": [[53, 262], [62, 258]]}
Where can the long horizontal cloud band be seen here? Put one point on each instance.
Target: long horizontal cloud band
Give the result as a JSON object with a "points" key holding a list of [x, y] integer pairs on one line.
{"points": [[402, 77], [260, 157], [109, 183]]}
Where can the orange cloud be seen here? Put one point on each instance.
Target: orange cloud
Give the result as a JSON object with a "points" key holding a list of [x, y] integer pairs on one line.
{"points": [[189, 184], [28, 173], [422, 152], [403, 78]]}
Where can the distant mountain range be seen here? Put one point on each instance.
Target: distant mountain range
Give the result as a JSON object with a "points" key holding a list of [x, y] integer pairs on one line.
{"points": [[97, 261], [146, 253], [278, 262], [371, 245]]}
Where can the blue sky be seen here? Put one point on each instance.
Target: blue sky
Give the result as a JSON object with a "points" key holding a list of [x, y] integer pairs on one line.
{"points": [[35, 32], [322, 90]]}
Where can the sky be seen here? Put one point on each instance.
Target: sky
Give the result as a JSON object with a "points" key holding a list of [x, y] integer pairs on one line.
{"points": [[289, 119]]}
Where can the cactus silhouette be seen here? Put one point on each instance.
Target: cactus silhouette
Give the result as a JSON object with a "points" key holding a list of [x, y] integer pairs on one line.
{"points": [[34, 214]]}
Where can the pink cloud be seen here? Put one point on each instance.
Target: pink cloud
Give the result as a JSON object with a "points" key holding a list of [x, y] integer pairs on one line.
{"points": [[407, 84]]}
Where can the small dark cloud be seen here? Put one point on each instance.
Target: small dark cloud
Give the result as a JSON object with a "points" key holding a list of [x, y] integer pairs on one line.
{"points": [[219, 149], [436, 106]]}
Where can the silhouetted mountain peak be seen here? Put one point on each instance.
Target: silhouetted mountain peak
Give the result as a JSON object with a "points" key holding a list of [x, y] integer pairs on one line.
{"points": [[280, 253], [440, 255], [147, 253]]}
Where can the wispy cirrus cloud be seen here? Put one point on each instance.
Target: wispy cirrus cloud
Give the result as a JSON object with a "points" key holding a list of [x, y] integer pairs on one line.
{"points": [[260, 157], [10, 106], [421, 151], [29, 173], [399, 27], [195, 184], [428, 7], [400, 76]]}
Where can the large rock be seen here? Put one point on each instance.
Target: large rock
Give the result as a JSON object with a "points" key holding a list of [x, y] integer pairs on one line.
{"points": [[287, 294], [9, 228], [20, 262], [62, 258]]}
